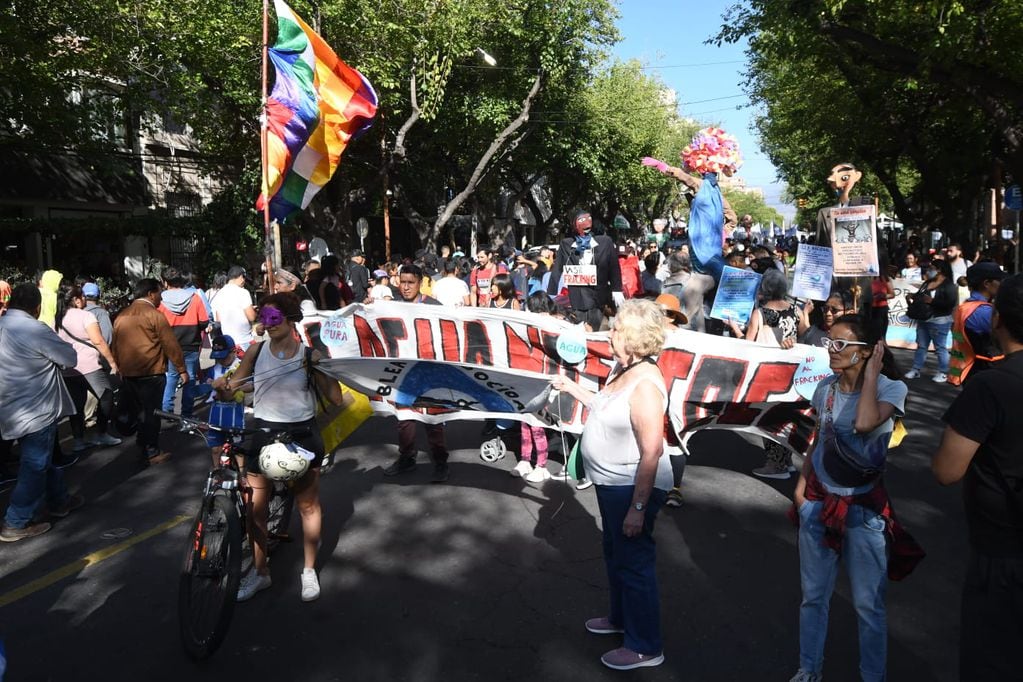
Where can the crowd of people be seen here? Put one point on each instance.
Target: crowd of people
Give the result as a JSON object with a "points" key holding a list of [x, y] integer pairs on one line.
{"points": [[58, 346]]}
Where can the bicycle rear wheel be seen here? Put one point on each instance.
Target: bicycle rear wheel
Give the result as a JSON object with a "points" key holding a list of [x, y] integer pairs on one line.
{"points": [[209, 578]]}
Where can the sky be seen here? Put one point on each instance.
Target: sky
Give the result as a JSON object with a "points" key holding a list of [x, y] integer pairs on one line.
{"points": [[667, 36]]}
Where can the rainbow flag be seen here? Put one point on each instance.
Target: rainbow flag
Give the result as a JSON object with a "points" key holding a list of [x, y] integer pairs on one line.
{"points": [[317, 105]]}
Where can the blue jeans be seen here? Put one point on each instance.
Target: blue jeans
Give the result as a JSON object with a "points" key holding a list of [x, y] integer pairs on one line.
{"points": [[935, 330], [631, 574], [37, 478], [188, 390], [864, 550]]}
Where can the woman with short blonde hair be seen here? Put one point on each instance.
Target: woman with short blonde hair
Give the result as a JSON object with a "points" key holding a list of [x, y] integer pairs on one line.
{"points": [[622, 444]]}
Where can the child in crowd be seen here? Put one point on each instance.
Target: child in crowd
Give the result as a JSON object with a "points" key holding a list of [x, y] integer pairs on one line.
{"points": [[534, 436], [381, 290], [223, 413]]}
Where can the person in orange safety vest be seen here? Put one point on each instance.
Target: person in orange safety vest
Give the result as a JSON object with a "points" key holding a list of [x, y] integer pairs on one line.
{"points": [[973, 343]]}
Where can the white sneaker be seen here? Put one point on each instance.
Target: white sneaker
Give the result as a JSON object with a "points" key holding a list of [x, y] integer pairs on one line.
{"points": [[522, 469], [911, 374], [252, 583], [940, 378], [310, 585], [107, 439], [583, 484], [538, 475]]}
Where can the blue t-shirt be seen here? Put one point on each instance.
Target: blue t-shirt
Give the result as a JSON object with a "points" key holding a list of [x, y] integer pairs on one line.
{"points": [[869, 448]]}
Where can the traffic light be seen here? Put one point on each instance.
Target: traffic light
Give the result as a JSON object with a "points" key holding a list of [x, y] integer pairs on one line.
{"points": [[801, 202]]}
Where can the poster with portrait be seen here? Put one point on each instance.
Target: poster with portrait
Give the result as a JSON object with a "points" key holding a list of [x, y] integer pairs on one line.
{"points": [[854, 241]]}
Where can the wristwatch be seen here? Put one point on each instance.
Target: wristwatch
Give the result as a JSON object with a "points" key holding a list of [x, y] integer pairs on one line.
{"points": [[639, 506]]}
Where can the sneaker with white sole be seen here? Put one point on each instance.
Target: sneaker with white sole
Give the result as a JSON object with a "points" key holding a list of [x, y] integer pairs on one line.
{"points": [[773, 470], [911, 374], [107, 440], [251, 584], [583, 484], [627, 659], [804, 676], [538, 475], [603, 626], [940, 378], [310, 585], [522, 469]]}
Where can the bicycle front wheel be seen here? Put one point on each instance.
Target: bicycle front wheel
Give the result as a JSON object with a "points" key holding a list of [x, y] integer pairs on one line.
{"points": [[209, 579]]}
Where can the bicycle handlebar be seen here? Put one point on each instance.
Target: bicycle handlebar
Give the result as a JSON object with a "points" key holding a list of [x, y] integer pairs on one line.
{"points": [[189, 424]]}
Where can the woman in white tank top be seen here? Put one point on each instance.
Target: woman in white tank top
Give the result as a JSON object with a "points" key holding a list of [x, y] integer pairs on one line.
{"points": [[283, 398], [622, 446]]}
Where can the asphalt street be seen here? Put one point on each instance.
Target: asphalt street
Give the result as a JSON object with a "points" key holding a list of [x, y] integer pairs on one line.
{"points": [[482, 578]]}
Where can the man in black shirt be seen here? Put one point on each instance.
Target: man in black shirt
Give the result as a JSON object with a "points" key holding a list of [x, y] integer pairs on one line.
{"points": [[358, 276], [981, 446], [410, 281]]}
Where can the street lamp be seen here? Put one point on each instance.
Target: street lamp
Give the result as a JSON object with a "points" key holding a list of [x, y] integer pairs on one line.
{"points": [[485, 56]]}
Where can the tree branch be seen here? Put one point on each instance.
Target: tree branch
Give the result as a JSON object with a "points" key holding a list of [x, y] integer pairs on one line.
{"points": [[399, 140], [481, 166]]}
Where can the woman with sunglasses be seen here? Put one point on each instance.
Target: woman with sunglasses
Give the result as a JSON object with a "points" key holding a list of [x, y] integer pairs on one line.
{"points": [[839, 303], [842, 507], [283, 399]]}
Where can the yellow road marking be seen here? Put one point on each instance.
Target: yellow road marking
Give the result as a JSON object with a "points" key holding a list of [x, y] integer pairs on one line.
{"points": [[86, 561]]}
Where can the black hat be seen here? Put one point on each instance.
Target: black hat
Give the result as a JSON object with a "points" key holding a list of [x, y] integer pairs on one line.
{"points": [[976, 274]]}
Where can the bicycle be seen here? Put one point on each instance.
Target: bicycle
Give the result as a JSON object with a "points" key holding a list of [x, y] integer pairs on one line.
{"points": [[211, 571]]}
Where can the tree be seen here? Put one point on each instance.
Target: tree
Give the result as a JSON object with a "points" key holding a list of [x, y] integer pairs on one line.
{"points": [[923, 96]]}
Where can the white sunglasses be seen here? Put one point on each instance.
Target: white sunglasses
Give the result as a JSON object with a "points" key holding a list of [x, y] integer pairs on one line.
{"points": [[839, 345]]}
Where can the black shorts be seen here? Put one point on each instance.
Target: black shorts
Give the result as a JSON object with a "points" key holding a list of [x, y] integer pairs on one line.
{"points": [[312, 442]]}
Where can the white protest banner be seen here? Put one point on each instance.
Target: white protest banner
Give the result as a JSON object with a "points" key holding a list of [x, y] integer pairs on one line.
{"points": [[736, 295], [854, 241], [712, 381], [814, 269]]}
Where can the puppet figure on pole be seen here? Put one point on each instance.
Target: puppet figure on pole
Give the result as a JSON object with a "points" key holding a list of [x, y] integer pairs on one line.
{"points": [[318, 105], [710, 152]]}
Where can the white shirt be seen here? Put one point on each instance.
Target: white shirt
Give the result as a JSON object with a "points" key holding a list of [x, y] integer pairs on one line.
{"points": [[229, 305], [381, 292], [451, 291], [959, 266]]}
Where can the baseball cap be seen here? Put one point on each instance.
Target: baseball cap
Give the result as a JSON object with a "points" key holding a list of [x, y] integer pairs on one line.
{"points": [[235, 271], [458, 254], [670, 305], [357, 253], [976, 274], [221, 347], [90, 290], [380, 273]]}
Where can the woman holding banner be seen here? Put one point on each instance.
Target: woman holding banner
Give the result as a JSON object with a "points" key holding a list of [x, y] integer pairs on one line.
{"points": [[841, 505], [622, 444]]}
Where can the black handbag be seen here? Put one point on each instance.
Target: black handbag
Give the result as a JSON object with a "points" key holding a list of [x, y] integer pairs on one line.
{"points": [[919, 309], [842, 467]]}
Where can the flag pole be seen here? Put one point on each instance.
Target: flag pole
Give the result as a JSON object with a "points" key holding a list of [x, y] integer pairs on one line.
{"points": [[263, 144]]}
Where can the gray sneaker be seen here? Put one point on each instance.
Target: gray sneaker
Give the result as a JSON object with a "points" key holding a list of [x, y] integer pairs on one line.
{"points": [[804, 676], [772, 470]]}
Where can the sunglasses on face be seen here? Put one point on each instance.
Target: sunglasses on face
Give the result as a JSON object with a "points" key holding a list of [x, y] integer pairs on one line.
{"points": [[834, 311], [271, 317], [839, 345]]}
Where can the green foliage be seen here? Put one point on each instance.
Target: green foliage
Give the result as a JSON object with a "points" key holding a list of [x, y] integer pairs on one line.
{"points": [[922, 95]]}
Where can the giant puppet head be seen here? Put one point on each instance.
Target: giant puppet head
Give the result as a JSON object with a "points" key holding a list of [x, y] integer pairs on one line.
{"points": [[712, 150], [843, 178], [582, 224]]}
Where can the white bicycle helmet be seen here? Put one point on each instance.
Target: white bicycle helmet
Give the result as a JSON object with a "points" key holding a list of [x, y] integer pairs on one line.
{"points": [[279, 462]]}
